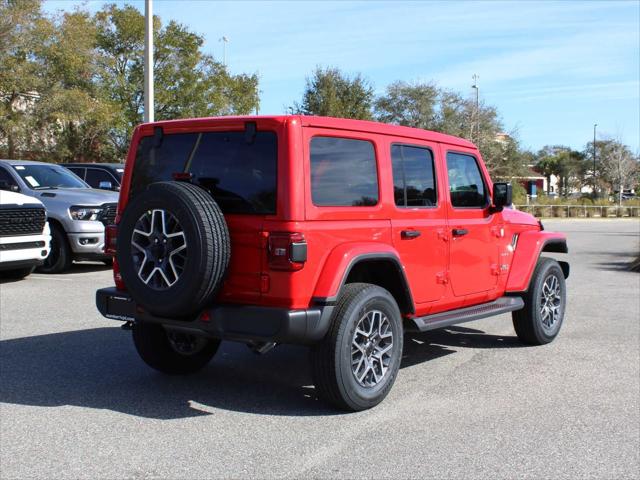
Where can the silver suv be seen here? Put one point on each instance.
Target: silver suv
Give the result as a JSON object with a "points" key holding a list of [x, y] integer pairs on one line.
{"points": [[77, 213]]}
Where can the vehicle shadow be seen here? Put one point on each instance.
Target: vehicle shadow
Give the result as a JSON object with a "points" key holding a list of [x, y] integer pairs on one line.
{"points": [[84, 267], [99, 368], [76, 268], [616, 262], [6, 279]]}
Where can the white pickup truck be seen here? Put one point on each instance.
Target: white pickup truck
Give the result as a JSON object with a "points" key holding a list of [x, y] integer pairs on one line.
{"points": [[25, 239]]}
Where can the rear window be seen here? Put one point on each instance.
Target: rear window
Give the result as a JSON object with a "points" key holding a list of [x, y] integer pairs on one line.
{"points": [[240, 175], [343, 172]]}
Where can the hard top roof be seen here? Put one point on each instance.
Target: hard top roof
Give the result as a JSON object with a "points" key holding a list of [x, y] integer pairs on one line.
{"points": [[330, 122]]}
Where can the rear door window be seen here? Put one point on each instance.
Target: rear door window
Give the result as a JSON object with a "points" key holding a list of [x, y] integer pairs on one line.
{"points": [[239, 174], [413, 176], [343, 172]]}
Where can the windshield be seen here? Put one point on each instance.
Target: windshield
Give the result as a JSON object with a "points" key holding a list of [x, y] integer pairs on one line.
{"points": [[40, 177], [120, 173]]}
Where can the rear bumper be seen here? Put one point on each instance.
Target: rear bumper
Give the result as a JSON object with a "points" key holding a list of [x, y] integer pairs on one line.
{"points": [[228, 322]]}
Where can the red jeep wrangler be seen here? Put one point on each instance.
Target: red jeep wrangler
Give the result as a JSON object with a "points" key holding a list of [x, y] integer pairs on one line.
{"points": [[339, 234]]}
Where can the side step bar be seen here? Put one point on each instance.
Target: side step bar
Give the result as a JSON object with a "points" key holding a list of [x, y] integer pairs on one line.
{"points": [[462, 315]]}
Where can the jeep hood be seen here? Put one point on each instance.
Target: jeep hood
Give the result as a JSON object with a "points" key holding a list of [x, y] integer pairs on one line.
{"points": [[517, 217]]}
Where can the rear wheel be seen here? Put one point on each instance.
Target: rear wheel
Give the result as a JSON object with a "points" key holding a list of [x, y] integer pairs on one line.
{"points": [[356, 364], [60, 257], [540, 320], [172, 352]]}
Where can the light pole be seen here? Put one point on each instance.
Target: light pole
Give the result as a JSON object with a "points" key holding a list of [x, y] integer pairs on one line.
{"points": [[224, 41], [477, 89], [595, 191], [148, 61]]}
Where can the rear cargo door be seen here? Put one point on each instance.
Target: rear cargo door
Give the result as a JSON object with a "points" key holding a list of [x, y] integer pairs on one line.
{"points": [[239, 171]]}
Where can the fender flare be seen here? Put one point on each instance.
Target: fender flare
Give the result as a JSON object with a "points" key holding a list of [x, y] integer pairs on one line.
{"points": [[344, 258], [528, 249]]}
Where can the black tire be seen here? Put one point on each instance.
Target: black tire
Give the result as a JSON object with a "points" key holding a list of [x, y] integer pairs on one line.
{"points": [[60, 257], [108, 262], [331, 359], [153, 344], [208, 249], [16, 274], [530, 324]]}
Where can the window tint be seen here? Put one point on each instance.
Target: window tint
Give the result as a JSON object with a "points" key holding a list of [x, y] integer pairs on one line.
{"points": [[78, 171], [6, 177], [343, 172], [240, 175], [95, 176], [465, 181], [413, 176]]}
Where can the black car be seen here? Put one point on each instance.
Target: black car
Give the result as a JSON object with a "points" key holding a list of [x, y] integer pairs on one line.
{"points": [[106, 176]]}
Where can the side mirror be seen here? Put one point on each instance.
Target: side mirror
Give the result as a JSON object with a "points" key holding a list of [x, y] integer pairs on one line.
{"points": [[4, 185], [502, 195], [105, 185]]}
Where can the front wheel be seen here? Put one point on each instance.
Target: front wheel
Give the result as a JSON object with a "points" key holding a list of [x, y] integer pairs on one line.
{"points": [[540, 320], [60, 257], [356, 364], [172, 352]]}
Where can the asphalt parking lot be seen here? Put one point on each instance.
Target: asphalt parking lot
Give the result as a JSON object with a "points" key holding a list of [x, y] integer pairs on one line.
{"points": [[470, 401]]}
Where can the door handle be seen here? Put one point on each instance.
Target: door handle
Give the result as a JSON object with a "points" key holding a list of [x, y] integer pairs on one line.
{"points": [[410, 233], [458, 232]]}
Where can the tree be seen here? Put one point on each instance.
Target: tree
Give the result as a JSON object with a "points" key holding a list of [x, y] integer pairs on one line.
{"points": [[72, 111], [564, 163], [19, 79], [331, 93], [409, 105], [617, 167], [424, 105], [71, 85], [188, 82]]}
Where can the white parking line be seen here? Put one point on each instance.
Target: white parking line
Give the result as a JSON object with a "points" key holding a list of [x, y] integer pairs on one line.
{"points": [[49, 277]]}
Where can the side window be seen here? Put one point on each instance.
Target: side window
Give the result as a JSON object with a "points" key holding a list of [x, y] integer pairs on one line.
{"points": [[6, 177], [343, 172], [78, 171], [465, 181], [413, 176], [95, 176]]}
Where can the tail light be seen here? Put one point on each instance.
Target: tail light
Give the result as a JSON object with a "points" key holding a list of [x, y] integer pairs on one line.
{"points": [[287, 251], [110, 237], [117, 278]]}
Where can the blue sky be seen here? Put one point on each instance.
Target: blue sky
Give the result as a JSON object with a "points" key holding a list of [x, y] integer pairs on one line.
{"points": [[552, 69]]}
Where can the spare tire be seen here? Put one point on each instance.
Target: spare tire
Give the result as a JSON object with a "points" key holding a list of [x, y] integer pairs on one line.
{"points": [[173, 248]]}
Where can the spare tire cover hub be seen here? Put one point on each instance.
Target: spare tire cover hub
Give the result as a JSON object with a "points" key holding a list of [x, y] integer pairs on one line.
{"points": [[159, 249]]}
